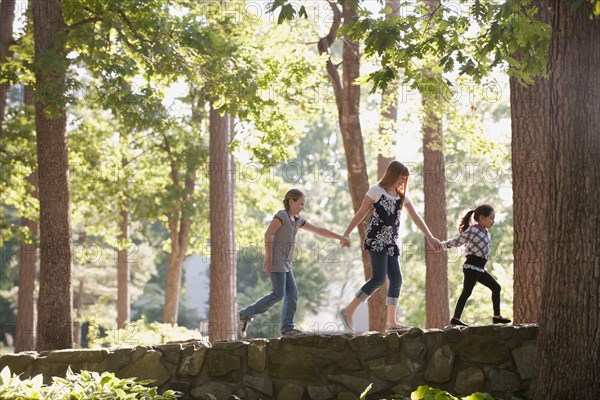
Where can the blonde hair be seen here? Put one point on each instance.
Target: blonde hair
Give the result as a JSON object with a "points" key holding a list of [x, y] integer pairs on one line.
{"points": [[393, 171]]}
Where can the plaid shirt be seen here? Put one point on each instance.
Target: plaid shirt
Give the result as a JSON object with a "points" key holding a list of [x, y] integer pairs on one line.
{"points": [[477, 240]]}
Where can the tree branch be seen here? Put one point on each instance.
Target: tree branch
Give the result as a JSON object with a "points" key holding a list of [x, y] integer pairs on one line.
{"points": [[324, 45]]}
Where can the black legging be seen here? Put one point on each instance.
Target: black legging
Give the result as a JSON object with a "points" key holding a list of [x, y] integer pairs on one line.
{"points": [[471, 278]]}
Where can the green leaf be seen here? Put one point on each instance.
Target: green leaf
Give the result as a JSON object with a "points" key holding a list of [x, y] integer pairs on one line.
{"points": [[302, 12], [4, 375], [363, 395], [286, 14]]}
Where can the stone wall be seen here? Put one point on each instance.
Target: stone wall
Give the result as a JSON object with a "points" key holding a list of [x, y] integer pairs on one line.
{"points": [[499, 360]]}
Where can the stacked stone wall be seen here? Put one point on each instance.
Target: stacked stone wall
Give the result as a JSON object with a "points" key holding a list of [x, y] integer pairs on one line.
{"points": [[499, 360]]}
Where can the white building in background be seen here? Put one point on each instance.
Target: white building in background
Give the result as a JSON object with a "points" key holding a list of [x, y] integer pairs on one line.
{"points": [[197, 283]]}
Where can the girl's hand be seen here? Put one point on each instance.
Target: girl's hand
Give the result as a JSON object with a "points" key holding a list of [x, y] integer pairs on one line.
{"points": [[267, 265], [435, 244], [345, 242]]}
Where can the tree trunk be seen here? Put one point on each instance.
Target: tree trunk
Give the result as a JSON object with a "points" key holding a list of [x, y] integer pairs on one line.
{"points": [[179, 229], [530, 111], [434, 190], [7, 15], [222, 307], [175, 264], [568, 347], [26, 315], [123, 270], [437, 306], [55, 330]]}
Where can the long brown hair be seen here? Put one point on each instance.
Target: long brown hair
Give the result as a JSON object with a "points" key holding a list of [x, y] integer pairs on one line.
{"points": [[292, 194], [484, 210], [393, 171]]}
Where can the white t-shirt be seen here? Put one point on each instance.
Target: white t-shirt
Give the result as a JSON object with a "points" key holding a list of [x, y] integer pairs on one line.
{"points": [[376, 191]]}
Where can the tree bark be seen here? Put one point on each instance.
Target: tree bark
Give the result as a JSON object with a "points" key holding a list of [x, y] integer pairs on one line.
{"points": [[568, 346], [123, 270], [437, 308], [179, 228], [530, 110], [26, 312], [54, 328], [223, 274], [434, 189], [7, 14], [179, 232]]}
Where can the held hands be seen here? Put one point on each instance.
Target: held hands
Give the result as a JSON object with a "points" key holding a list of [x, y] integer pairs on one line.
{"points": [[435, 244], [345, 241]]}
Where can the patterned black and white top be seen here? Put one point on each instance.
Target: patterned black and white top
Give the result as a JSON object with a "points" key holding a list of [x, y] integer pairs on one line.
{"points": [[382, 232], [477, 242]]}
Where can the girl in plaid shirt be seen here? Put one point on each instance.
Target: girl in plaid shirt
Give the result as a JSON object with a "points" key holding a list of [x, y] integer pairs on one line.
{"points": [[476, 239]]}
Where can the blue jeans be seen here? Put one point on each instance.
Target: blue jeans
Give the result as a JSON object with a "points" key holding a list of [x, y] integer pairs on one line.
{"points": [[283, 286], [382, 264]]}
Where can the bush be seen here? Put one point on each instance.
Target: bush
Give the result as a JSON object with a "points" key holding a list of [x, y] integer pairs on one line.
{"points": [[140, 332], [83, 385], [428, 393]]}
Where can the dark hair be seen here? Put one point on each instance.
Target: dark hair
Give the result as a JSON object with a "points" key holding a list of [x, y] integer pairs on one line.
{"points": [[292, 194], [484, 210], [393, 171]]}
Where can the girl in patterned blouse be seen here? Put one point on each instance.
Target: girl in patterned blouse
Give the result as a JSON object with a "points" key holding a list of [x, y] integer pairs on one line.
{"points": [[476, 239], [386, 199]]}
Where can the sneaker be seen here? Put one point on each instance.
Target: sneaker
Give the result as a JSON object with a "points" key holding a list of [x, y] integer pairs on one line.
{"points": [[399, 329], [501, 320], [244, 322], [292, 333], [457, 322], [346, 321]]}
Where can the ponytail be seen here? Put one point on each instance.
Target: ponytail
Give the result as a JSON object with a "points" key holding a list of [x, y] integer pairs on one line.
{"points": [[484, 210], [465, 221]]}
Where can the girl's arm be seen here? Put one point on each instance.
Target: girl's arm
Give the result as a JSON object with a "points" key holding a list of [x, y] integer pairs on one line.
{"points": [[360, 215], [458, 240], [325, 233], [416, 218], [269, 233]]}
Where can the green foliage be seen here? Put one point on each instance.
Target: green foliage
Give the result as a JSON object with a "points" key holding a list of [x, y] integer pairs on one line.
{"points": [[17, 162], [138, 333], [425, 392], [79, 386], [471, 37]]}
